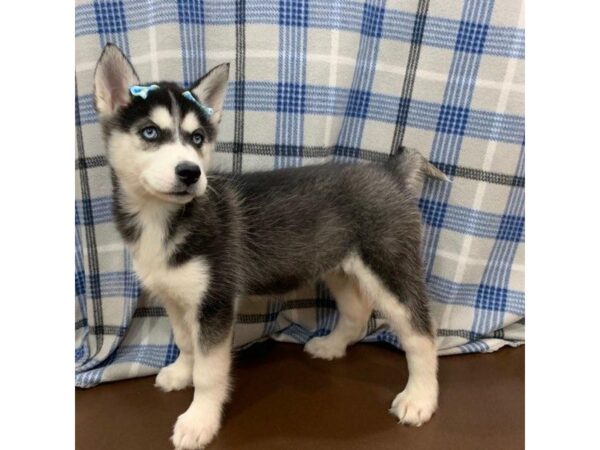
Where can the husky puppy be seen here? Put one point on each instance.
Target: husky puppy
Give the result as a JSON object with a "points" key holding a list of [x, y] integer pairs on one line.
{"points": [[201, 242]]}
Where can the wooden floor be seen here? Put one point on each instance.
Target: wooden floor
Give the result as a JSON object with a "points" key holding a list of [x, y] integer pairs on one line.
{"points": [[283, 399]]}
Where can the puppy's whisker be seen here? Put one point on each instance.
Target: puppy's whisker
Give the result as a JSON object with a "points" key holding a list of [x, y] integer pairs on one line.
{"points": [[208, 186]]}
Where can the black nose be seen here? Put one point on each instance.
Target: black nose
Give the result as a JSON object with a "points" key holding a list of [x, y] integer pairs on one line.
{"points": [[187, 172]]}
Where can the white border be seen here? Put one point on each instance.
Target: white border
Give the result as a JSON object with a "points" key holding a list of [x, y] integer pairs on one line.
{"points": [[37, 242], [562, 227]]}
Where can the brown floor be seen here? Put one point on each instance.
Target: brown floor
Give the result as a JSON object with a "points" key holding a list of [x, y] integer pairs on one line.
{"points": [[285, 400]]}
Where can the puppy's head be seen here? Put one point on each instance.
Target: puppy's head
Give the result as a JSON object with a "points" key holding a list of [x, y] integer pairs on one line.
{"points": [[160, 137]]}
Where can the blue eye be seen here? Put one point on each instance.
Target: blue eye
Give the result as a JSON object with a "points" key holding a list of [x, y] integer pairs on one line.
{"points": [[197, 138], [150, 133]]}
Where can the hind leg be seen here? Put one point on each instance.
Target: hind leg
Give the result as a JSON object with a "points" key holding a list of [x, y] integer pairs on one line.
{"points": [[409, 319], [418, 401], [354, 312]]}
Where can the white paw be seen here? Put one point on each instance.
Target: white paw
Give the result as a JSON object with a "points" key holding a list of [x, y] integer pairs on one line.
{"points": [[414, 407], [325, 348], [194, 430], [174, 377]]}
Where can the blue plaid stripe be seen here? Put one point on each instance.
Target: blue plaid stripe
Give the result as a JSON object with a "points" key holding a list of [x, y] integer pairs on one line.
{"points": [[511, 228], [79, 268], [110, 17], [80, 354], [358, 104], [86, 112], [492, 295], [291, 98], [384, 336], [79, 281], [82, 349], [433, 212], [111, 23], [108, 313], [463, 294], [100, 211], [470, 347], [440, 32], [191, 14], [131, 289], [123, 284], [171, 353], [470, 222], [452, 120], [298, 333], [293, 13], [291, 92], [321, 100], [350, 136], [457, 97], [491, 298], [372, 23], [471, 37], [150, 355]]}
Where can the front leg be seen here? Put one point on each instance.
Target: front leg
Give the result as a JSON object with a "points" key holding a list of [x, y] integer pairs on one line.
{"points": [[178, 375], [212, 362]]}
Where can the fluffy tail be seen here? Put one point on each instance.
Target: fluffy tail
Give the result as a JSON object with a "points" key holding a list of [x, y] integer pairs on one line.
{"points": [[412, 167]]}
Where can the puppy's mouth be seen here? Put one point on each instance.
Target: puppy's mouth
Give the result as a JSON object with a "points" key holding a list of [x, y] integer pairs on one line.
{"points": [[179, 193], [177, 196]]}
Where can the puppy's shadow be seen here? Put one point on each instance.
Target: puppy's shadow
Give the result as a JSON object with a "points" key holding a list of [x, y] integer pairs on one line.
{"points": [[280, 392]]}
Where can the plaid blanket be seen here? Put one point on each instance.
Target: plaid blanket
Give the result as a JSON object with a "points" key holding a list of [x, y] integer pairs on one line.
{"points": [[318, 80]]}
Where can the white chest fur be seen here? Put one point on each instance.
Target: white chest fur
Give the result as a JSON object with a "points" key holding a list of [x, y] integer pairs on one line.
{"points": [[184, 284]]}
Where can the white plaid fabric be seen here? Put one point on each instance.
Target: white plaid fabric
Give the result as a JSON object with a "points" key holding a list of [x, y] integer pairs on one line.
{"points": [[312, 81]]}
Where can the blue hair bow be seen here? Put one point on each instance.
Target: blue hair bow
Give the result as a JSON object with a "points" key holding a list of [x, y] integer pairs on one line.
{"points": [[142, 91], [206, 109]]}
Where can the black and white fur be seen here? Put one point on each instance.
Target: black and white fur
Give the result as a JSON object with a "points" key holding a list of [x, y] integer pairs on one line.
{"points": [[203, 245]]}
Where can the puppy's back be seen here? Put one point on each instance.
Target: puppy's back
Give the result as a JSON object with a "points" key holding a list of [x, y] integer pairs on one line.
{"points": [[301, 222]]}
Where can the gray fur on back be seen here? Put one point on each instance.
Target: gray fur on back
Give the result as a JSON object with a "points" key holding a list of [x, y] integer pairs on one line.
{"points": [[270, 232]]}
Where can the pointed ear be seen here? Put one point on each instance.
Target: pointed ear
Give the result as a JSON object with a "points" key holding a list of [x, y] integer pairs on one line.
{"points": [[211, 89], [114, 74]]}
